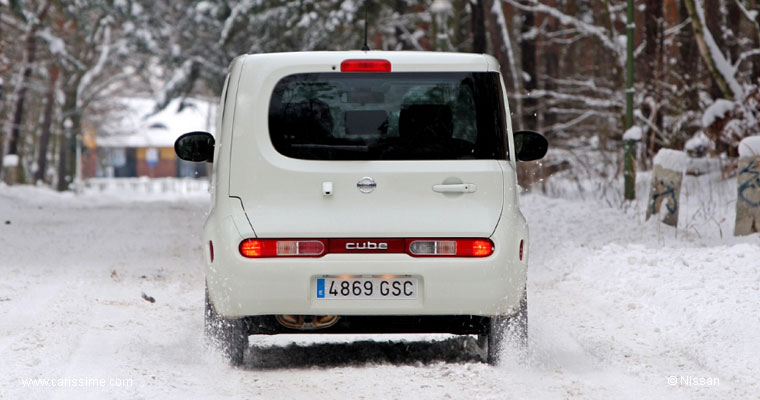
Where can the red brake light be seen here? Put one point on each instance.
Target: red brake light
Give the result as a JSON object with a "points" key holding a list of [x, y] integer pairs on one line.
{"points": [[252, 248], [211, 250], [521, 249], [482, 248], [365, 66]]}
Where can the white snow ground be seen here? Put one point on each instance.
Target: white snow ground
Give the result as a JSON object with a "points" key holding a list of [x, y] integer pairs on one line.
{"points": [[618, 307]]}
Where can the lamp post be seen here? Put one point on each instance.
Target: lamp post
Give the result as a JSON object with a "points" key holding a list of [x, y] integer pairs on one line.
{"points": [[441, 9], [67, 125]]}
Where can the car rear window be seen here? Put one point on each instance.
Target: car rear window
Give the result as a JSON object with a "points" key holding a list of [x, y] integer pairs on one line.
{"points": [[389, 116]]}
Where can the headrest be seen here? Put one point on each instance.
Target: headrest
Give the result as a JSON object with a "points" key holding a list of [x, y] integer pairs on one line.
{"points": [[425, 121]]}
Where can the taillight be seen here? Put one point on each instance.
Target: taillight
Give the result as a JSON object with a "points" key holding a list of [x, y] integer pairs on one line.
{"points": [[211, 250], [256, 248], [521, 250], [259, 248], [365, 66], [450, 247]]}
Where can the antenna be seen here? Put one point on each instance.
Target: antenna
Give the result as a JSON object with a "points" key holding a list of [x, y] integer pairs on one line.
{"points": [[365, 47]]}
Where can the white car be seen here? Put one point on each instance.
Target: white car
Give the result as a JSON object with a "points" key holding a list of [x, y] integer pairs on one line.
{"points": [[364, 192]]}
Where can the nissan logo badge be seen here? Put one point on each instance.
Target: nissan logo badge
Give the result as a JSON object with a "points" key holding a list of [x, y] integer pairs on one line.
{"points": [[366, 185]]}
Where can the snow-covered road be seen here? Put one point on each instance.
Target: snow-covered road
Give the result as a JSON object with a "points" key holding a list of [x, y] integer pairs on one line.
{"points": [[618, 309]]}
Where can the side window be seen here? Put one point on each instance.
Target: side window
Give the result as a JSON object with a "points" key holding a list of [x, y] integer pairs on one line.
{"points": [[221, 111]]}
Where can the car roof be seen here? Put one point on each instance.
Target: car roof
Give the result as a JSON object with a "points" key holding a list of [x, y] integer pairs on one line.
{"points": [[401, 61]]}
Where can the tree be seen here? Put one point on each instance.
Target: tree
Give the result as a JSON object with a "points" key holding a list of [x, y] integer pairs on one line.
{"points": [[33, 22]]}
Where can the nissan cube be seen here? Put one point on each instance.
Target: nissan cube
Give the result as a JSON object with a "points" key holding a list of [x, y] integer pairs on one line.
{"points": [[364, 192]]}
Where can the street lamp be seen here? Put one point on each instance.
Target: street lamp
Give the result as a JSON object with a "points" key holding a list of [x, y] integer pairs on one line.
{"points": [[441, 9], [68, 124]]}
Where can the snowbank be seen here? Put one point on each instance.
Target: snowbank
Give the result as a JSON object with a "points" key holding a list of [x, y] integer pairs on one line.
{"points": [[716, 110], [673, 160], [633, 133], [749, 147]]}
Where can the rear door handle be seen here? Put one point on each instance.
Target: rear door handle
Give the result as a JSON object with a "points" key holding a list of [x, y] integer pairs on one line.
{"points": [[456, 188]]}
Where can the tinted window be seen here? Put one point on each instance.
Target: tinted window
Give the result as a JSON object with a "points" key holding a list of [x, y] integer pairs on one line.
{"points": [[389, 116]]}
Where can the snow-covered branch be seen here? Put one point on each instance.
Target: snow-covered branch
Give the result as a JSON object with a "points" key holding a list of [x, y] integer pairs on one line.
{"points": [[744, 56], [602, 34], [97, 69], [722, 70], [589, 101]]}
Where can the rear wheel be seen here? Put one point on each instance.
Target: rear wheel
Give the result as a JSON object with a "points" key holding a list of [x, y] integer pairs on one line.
{"points": [[230, 336], [512, 330]]}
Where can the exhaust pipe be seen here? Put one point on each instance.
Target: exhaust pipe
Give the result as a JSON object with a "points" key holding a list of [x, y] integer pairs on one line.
{"points": [[307, 322]]}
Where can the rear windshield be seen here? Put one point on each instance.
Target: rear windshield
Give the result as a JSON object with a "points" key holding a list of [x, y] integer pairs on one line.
{"points": [[389, 116]]}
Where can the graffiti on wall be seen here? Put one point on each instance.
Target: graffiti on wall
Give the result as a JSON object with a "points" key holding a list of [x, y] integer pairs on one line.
{"points": [[752, 184]]}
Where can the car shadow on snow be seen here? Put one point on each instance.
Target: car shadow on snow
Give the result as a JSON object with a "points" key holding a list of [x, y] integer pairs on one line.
{"points": [[460, 349]]}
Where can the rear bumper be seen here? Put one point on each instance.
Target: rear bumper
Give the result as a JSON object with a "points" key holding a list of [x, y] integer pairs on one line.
{"points": [[454, 324]]}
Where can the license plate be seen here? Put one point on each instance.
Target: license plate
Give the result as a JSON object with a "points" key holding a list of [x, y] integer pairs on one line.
{"points": [[403, 288]]}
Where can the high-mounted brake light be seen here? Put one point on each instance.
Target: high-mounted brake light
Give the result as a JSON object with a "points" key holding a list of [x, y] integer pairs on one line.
{"points": [[365, 66]]}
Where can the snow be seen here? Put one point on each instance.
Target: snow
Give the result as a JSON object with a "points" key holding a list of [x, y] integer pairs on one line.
{"points": [[10, 161], [748, 147], [717, 110], [698, 142], [56, 45], [633, 133], [617, 307], [673, 160], [135, 126]]}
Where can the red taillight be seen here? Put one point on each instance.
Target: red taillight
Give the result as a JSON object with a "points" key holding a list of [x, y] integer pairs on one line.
{"points": [[365, 66], [521, 250], [482, 248], [256, 248], [211, 250], [437, 247], [449, 247]]}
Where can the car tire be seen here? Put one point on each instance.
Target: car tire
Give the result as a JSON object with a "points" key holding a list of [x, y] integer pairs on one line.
{"points": [[230, 336], [512, 329]]}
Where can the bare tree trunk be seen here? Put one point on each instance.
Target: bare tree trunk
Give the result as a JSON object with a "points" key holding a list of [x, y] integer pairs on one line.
{"points": [[528, 58], [688, 51], [496, 26], [550, 56], [700, 33], [12, 172], [478, 26], [39, 175], [652, 73]]}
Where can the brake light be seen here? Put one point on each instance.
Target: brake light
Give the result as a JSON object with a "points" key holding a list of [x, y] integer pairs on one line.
{"points": [[211, 250], [365, 66], [521, 250], [256, 248]]}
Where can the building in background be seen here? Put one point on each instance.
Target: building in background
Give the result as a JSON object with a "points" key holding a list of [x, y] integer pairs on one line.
{"points": [[131, 141]]}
